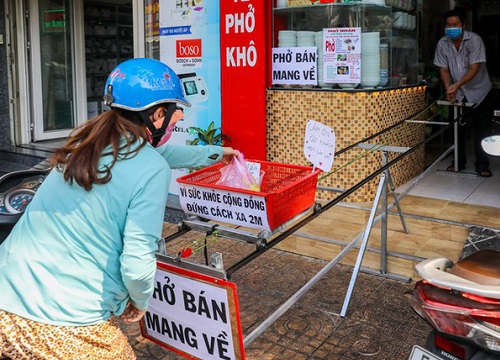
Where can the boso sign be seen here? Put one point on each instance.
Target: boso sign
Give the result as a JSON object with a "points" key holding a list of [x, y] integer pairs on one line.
{"points": [[188, 48]]}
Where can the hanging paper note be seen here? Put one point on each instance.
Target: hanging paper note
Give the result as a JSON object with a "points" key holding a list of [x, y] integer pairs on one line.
{"points": [[319, 145], [254, 169]]}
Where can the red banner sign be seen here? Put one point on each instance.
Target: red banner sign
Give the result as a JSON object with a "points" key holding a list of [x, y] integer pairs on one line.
{"points": [[244, 57]]}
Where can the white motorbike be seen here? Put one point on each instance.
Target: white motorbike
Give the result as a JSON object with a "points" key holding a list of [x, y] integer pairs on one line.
{"points": [[461, 301]]}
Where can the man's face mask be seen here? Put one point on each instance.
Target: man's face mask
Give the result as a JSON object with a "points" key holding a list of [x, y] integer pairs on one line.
{"points": [[453, 32]]}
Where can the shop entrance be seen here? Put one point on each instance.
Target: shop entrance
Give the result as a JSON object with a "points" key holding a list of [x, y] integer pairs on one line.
{"points": [[52, 68], [109, 40], [67, 49]]}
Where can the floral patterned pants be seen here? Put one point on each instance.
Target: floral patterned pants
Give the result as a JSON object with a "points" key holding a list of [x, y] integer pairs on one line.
{"points": [[25, 339]]}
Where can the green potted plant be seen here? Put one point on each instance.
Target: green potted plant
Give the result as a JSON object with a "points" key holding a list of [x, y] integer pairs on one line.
{"points": [[210, 136]]}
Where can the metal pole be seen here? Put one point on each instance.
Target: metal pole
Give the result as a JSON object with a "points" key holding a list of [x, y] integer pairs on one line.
{"points": [[362, 248], [295, 297], [383, 224], [455, 137], [396, 201], [457, 113]]}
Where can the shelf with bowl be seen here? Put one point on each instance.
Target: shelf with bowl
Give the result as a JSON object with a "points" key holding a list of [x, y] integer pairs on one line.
{"points": [[400, 36]]}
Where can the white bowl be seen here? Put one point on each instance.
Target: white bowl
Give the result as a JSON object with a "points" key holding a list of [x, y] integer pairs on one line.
{"points": [[370, 82], [348, 85]]}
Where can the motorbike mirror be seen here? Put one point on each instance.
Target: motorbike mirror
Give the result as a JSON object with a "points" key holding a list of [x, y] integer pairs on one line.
{"points": [[491, 145]]}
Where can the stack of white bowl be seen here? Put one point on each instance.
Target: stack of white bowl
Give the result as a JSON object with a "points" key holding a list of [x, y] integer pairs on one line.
{"points": [[403, 20], [287, 38], [384, 64], [348, 85], [305, 38], [413, 22], [370, 59], [400, 4], [398, 19], [280, 3], [318, 41]]}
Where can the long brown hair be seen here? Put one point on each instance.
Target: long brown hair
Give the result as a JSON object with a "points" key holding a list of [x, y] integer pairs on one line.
{"points": [[78, 159]]}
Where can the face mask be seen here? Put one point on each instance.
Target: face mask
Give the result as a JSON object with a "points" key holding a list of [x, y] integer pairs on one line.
{"points": [[168, 133], [453, 33], [176, 116]]}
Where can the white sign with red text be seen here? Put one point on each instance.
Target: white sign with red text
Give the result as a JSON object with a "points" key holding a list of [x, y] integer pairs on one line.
{"points": [[342, 55]]}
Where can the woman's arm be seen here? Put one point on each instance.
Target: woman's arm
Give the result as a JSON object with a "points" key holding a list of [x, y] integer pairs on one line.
{"points": [[143, 227], [185, 156]]}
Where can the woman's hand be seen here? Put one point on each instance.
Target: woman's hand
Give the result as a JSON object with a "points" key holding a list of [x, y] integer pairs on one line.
{"points": [[132, 314], [228, 153]]}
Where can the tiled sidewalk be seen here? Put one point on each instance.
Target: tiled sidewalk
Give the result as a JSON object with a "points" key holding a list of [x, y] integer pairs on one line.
{"points": [[379, 323]]}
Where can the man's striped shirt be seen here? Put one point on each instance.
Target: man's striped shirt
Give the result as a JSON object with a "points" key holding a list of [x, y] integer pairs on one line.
{"points": [[471, 51]]}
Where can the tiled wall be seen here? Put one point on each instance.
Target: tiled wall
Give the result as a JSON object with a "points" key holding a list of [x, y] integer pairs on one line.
{"points": [[353, 115]]}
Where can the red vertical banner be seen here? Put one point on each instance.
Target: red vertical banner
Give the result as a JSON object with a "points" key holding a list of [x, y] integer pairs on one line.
{"points": [[244, 40]]}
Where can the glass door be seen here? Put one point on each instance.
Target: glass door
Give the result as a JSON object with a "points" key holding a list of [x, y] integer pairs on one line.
{"points": [[52, 68], [109, 40]]}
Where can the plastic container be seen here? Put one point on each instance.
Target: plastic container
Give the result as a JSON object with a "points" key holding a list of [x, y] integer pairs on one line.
{"points": [[286, 191]]}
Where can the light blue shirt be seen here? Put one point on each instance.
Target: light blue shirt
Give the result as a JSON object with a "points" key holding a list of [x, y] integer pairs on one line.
{"points": [[76, 257]]}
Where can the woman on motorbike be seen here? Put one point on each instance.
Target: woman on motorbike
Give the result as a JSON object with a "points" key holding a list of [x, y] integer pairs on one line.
{"points": [[84, 251]]}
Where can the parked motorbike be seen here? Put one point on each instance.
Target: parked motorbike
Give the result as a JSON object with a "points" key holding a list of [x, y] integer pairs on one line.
{"points": [[491, 145], [460, 301], [16, 192]]}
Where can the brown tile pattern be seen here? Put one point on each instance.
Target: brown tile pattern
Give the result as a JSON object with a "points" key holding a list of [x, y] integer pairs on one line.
{"points": [[353, 115]]}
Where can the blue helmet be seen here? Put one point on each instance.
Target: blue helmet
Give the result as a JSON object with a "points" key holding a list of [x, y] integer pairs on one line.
{"points": [[138, 84]]}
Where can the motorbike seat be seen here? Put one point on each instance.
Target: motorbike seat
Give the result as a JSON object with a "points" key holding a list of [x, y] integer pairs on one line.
{"points": [[482, 267]]}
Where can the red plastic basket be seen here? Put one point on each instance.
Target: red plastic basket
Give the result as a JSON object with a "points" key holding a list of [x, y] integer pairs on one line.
{"points": [[288, 189]]}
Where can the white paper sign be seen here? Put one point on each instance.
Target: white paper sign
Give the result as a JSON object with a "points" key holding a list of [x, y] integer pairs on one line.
{"points": [[342, 55], [227, 206], [319, 145], [192, 316], [254, 170], [295, 66]]}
